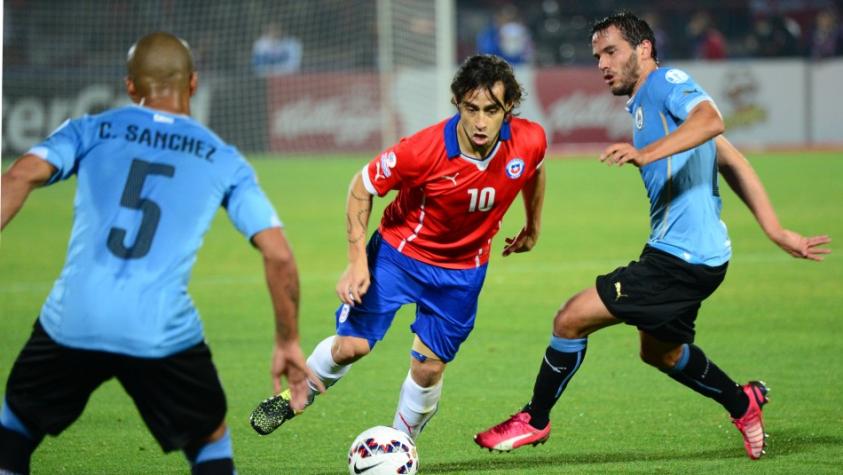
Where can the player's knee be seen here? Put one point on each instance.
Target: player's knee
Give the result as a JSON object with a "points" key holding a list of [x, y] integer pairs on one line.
{"points": [[427, 373], [566, 323], [347, 350], [213, 455], [661, 361]]}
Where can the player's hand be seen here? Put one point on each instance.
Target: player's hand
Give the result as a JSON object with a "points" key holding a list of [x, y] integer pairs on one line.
{"points": [[620, 153], [354, 282], [802, 247], [522, 242], [288, 360]]}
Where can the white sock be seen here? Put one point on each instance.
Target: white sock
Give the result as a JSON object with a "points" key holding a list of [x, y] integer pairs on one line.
{"points": [[322, 363], [416, 406]]}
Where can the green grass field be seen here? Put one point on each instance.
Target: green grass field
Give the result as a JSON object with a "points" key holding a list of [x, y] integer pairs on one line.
{"points": [[774, 318]]}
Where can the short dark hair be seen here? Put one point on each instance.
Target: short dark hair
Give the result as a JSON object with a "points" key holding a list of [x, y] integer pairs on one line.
{"points": [[485, 70], [633, 29]]}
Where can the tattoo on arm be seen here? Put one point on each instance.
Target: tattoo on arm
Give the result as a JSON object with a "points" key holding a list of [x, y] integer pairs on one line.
{"points": [[362, 218], [357, 197]]}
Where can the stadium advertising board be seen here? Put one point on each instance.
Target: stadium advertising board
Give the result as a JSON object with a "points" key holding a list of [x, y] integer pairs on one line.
{"points": [[32, 109], [324, 112], [576, 108], [764, 103], [826, 126], [783, 103]]}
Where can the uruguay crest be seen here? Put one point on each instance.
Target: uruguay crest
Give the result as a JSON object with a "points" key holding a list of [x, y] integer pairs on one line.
{"points": [[639, 118], [514, 168]]}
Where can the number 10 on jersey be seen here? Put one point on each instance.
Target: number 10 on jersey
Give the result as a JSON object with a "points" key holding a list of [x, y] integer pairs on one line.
{"points": [[481, 200]]}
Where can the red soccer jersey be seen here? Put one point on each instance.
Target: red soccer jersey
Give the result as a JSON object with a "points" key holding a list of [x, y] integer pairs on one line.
{"points": [[449, 206]]}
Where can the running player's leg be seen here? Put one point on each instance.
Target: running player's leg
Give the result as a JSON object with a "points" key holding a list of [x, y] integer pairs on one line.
{"points": [[420, 391], [582, 315], [662, 298], [361, 326], [687, 364], [446, 308], [212, 455], [182, 402], [17, 442], [47, 390]]}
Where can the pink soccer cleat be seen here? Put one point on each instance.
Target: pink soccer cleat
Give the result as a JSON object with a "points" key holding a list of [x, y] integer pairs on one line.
{"points": [[751, 424], [512, 433]]}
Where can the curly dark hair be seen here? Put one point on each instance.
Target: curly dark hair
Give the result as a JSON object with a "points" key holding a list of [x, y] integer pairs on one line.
{"points": [[633, 29], [485, 70]]}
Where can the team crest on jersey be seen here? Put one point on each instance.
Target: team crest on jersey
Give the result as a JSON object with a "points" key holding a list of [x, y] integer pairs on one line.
{"points": [[639, 118], [676, 76], [514, 168], [388, 161]]}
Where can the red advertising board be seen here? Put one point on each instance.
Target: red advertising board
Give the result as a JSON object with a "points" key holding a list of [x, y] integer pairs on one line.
{"points": [[340, 112], [578, 108], [324, 112]]}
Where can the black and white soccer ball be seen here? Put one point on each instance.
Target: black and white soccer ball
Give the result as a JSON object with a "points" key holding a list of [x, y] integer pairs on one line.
{"points": [[383, 450]]}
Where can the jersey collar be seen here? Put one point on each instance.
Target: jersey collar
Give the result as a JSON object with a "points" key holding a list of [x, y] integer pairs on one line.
{"points": [[452, 144], [630, 104]]}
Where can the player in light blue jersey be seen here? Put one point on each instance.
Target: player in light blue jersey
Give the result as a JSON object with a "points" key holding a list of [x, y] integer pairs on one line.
{"points": [[149, 181], [678, 149]]}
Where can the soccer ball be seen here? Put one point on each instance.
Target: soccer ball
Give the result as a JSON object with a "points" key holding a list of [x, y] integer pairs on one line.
{"points": [[382, 450]]}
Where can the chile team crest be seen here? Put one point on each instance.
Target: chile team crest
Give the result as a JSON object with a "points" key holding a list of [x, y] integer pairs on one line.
{"points": [[514, 168]]}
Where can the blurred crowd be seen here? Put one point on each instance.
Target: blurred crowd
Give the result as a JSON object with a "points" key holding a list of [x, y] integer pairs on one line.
{"points": [[272, 37], [263, 36], [549, 32]]}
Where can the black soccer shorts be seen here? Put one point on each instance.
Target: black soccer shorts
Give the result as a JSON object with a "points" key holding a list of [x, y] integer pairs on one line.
{"points": [[179, 397], [660, 293]]}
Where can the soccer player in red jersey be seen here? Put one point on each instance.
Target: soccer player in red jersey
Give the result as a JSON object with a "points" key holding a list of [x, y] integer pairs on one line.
{"points": [[455, 181]]}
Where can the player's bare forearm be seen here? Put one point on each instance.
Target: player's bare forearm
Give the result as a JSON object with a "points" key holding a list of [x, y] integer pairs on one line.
{"points": [[26, 174], [282, 281], [354, 281], [743, 180], [358, 210], [703, 124], [533, 195]]}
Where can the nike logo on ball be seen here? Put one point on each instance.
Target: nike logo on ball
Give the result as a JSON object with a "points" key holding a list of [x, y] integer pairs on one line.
{"points": [[361, 470]]}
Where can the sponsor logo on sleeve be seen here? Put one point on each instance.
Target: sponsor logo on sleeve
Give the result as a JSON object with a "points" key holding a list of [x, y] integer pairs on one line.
{"points": [[676, 76], [514, 168], [388, 161]]}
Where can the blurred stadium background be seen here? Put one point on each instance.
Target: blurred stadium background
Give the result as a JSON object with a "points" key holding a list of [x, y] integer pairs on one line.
{"points": [[369, 71]]}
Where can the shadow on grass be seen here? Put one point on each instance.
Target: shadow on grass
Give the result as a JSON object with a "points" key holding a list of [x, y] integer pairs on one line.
{"points": [[781, 443], [503, 462], [794, 442]]}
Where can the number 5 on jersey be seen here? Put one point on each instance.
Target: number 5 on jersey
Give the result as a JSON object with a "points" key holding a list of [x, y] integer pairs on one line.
{"points": [[150, 210], [481, 200]]}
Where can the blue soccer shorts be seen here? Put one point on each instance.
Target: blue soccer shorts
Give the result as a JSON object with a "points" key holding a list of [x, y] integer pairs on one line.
{"points": [[446, 300]]}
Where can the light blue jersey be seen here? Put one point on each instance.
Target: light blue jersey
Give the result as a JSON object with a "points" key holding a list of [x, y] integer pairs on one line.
{"points": [[148, 186], [682, 188]]}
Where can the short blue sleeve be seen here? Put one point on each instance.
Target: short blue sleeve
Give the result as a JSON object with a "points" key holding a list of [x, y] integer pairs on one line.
{"points": [[681, 93], [64, 147], [248, 207]]}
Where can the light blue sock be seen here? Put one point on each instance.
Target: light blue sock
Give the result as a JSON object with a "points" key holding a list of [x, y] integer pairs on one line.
{"points": [[10, 420], [218, 449]]}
